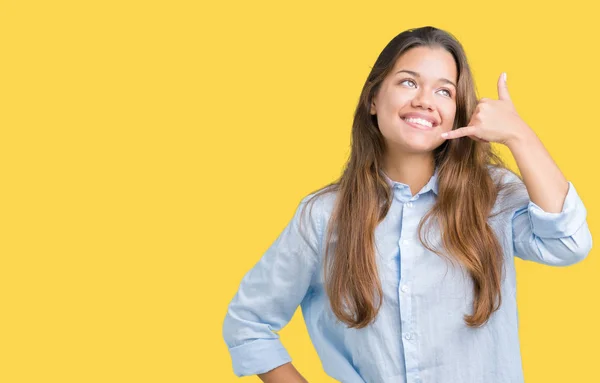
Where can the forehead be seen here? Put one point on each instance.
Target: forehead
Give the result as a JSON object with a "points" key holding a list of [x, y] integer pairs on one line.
{"points": [[428, 62]]}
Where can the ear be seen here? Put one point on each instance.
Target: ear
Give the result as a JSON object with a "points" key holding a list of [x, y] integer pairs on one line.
{"points": [[373, 111]]}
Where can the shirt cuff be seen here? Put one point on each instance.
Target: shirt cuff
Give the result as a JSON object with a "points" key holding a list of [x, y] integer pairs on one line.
{"points": [[258, 356], [558, 225]]}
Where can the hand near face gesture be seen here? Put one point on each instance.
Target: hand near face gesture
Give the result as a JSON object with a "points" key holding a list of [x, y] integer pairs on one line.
{"points": [[493, 120]]}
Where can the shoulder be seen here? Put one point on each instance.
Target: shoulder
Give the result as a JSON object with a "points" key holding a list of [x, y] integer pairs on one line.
{"points": [[320, 202], [512, 192], [311, 217], [503, 175]]}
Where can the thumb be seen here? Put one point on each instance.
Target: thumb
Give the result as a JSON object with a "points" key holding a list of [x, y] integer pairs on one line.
{"points": [[503, 88]]}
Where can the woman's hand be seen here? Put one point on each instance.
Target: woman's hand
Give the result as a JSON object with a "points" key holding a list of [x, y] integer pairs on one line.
{"points": [[494, 120]]}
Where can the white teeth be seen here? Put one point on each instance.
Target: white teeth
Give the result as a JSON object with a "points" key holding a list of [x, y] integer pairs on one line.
{"points": [[419, 121]]}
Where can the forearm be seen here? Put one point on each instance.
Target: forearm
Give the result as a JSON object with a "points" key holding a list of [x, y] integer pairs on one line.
{"points": [[285, 373], [546, 185]]}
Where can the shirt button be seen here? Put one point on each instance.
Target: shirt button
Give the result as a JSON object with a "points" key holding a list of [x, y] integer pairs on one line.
{"points": [[404, 288], [409, 204], [405, 241], [407, 336]]}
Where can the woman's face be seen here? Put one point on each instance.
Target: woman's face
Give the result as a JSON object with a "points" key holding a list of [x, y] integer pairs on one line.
{"points": [[422, 86]]}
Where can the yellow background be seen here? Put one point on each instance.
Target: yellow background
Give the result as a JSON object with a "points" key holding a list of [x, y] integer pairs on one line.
{"points": [[151, 151]]}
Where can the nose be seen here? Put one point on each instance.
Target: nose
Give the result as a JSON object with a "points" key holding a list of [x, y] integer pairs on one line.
{"points": [[422, 99]]}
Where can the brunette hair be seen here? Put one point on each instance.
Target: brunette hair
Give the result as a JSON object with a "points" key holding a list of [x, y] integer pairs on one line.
{"points": [[467, 194]]}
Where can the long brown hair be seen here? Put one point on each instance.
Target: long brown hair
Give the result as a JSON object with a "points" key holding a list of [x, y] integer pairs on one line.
{"points": [[461, 210]]}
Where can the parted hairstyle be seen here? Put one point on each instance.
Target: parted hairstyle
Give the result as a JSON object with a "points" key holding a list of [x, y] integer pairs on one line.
{"points": [[467, 194]]}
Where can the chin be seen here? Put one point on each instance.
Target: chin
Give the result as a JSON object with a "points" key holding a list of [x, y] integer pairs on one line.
{"points": [[409, 142], [421, 149], [415, 147], [418, 144]]}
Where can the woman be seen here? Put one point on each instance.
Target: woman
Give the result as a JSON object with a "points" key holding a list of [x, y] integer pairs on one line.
{"points": [[404, 268]]}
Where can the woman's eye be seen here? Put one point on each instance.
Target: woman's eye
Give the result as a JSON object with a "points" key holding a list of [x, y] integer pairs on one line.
{"points": [[449, 94]]}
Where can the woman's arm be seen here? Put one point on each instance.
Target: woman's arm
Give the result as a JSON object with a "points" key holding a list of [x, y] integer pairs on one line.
{"points": [[269, 295], [551, 228], [546, 185], [285, 373]]}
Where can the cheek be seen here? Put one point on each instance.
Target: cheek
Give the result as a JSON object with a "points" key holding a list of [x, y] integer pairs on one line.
{"points": [[395, 99], [448, 116]]}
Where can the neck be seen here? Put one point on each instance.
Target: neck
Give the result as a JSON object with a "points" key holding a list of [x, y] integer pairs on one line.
{"points": [[414, 170]]}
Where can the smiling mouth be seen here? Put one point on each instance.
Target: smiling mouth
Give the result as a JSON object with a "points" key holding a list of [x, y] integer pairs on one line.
{"points": [[417, 125]]}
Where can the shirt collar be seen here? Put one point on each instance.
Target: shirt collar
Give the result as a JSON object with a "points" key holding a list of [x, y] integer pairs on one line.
{"points": [[431, 185]]}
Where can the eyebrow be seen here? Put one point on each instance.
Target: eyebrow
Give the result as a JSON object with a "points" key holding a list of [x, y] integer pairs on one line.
{"points": [[444, 80]]}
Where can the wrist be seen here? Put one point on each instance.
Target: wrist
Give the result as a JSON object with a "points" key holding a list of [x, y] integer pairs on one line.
{"points": [[523, 139]]}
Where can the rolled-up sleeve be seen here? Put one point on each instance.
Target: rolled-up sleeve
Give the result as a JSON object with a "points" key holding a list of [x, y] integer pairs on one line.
{"points": [[270, 293], [556, 239]]}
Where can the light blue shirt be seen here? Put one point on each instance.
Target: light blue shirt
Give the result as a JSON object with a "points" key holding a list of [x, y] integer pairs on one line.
{"points": [[419, 334]]}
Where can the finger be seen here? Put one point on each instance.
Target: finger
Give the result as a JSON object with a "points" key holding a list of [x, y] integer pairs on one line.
{"points": [[503, 88], [461, 132]]}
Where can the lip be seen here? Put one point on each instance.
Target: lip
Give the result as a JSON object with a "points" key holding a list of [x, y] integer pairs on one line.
{"points": [[431, 119], [417, 126]]}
